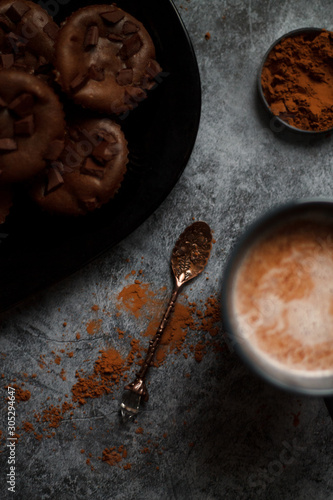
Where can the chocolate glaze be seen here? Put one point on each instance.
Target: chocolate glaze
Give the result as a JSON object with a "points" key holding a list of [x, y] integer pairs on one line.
{"points": [[89, 171], [105, 59]]}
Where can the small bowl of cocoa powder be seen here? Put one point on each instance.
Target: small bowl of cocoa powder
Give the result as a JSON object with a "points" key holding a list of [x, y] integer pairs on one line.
{"points": [[295, 82]]}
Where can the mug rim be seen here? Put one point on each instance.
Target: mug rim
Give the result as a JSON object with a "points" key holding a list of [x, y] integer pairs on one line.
{"points": [[247, 237]]}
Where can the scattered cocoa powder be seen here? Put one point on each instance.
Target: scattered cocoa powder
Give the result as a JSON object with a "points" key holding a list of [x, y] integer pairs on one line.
{"points": [[110, 369], [176, 330], [120, 333], [28, 427], [199, 351], [57, 360], [212, 316], [41, 362], [53, 416], [112, 457], [94, 326], [134, 297], [20, 394]]}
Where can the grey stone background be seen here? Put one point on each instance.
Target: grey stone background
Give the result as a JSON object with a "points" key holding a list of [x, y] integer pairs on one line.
{"points": [[248, 440]]}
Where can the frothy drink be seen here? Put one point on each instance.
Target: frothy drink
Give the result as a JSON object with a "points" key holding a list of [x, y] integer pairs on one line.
{"points": [[282, 298]]}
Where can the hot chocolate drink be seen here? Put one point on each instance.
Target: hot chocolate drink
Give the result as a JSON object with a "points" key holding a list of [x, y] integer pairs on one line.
{"points": [[282, 299]]}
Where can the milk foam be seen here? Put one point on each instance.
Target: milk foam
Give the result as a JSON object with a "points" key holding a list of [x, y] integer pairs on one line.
{"points": [[283, 299]]}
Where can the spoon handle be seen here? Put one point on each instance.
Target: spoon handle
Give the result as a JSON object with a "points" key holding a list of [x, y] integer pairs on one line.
{"points": [[138, 385], [154, 343], [189, 258]]}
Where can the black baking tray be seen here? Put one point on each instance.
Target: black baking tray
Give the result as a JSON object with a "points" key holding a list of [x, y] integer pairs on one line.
{"points": [[36, 249]]}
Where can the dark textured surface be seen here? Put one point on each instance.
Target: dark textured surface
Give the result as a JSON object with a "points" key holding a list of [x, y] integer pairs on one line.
{"points": [[227, 434]]}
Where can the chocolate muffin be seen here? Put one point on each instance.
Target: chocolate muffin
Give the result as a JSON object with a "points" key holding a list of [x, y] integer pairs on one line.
{"points": [[89, 171], [27, 35], [105, 59], [31, 126]]}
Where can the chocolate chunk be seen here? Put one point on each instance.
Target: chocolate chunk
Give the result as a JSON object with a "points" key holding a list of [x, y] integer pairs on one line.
{"points": [[54, 149], [115, 37], [129, 27], [18, 40], [74, 134], [22, 105], [125, 76], [12, 42], [112, 150], [42, 61], [67, 169], [90, 204], [78, 82], [7, 144], [13, 36], [43, 66], [102, 153], [153, 68], [54, 179], [16, 11], [26, 126], [105, 151], [4, 24], [29, 29], [96, 73], [91, 168], [113, 16], [7, 60], [131, 46], [106, 136], [60, 166], [51, 29], [134, 95], [91, 38], [3, 104]]}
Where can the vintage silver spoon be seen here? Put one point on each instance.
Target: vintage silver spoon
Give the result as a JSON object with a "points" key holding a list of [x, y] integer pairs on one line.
{"points": [[189, 258]]}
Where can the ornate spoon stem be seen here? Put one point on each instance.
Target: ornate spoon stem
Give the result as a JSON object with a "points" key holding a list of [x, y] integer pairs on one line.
{"points": [[189, 258]]}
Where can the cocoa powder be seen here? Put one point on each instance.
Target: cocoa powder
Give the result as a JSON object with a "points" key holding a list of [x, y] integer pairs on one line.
{"points": [[297, 80], [111, 368]]}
